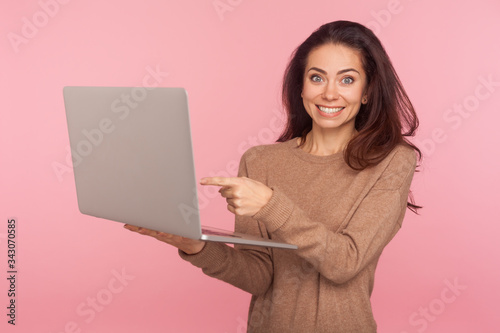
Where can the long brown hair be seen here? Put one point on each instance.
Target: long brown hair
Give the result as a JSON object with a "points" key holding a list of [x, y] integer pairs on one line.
{"points": [[384, 122]]}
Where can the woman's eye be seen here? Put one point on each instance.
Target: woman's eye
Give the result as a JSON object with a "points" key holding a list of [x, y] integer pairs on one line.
{"points": [[347, 80], [316, 78]]}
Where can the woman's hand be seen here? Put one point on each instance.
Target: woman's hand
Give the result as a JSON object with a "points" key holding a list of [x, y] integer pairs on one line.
{"points": [[187, 245], [244, 196]]}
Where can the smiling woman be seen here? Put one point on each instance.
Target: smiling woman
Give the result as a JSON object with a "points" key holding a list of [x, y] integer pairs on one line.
{"points": [[336, 184], [384, 113], [334, 88]]}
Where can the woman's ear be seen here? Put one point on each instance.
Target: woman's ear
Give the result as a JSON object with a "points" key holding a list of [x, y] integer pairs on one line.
{"points": [[364, 99]]}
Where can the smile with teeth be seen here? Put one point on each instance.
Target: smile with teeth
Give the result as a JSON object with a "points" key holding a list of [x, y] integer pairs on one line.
{"points": [[329, 110]]}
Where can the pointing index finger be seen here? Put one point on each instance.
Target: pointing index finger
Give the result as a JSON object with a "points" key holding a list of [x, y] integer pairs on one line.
{"points": [[218, 181]]}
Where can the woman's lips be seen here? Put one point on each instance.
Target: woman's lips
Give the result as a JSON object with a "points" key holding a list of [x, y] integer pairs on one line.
{"points": [[329, 112]]}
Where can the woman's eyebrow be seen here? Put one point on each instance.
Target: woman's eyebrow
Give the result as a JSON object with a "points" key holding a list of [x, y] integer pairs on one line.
{"points": [[318, 70], [347, 70], [342, 71]]}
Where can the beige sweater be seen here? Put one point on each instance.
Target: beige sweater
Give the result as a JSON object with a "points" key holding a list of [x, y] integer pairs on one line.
{"points": [[340, 219]]}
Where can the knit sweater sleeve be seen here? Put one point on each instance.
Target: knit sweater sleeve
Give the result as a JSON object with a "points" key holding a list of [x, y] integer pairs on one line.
{"points": [[246, 267], [339, 255]]}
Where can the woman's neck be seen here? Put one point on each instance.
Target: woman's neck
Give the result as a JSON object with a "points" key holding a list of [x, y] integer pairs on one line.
{"points": [[324, 143]]}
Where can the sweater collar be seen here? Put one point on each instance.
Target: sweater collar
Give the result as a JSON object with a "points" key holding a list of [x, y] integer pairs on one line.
{"points": [[299, 152]]}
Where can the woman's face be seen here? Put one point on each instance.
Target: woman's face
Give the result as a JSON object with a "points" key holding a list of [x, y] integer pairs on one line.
{"points": [[334, 85]]}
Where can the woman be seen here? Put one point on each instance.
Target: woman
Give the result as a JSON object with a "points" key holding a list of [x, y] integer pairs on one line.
{"points": [[336, 184]]}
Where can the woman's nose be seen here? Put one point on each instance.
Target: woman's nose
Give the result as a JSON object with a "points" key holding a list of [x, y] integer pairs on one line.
{"points": [[330, 92]]}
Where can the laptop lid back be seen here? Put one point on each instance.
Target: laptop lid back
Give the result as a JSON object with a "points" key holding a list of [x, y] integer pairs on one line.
{"points": [[132, 156]]}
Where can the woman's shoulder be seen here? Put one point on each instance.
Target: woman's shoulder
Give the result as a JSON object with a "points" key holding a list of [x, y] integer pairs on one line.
{"points": [[396, 169], [403, 154]]}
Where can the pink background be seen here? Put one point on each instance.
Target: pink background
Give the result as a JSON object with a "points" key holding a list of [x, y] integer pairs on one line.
{"points": [[231, 63]]}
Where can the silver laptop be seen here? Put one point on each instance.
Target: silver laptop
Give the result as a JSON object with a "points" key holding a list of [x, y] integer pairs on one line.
{"points": [[133, 160]]}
